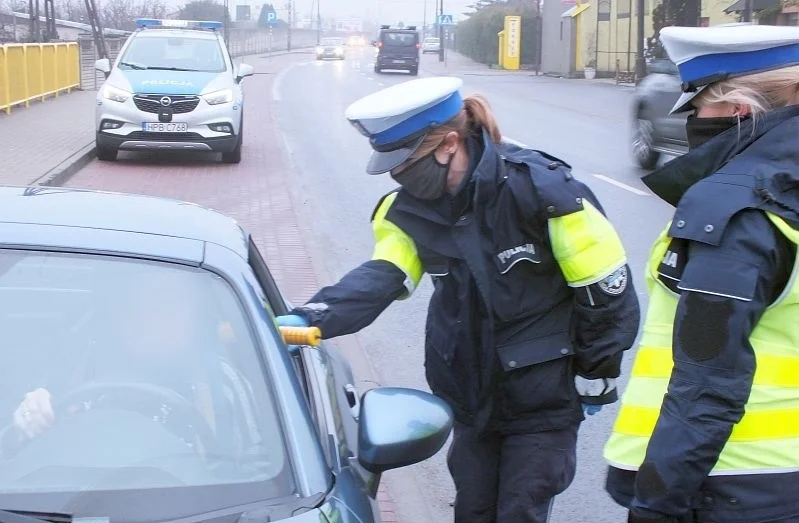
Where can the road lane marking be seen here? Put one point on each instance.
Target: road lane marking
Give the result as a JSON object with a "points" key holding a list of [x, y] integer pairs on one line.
{"points": [[621, 185]]}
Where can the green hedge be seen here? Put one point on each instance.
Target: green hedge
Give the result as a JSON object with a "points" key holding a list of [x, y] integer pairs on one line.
{"points": [[477, 36]]}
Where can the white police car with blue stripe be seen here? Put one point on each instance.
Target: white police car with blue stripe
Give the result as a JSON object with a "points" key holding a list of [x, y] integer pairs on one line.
{"points": [[172, 87]]}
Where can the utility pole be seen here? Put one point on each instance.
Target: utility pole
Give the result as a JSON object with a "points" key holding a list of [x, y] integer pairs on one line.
{"points": [[440, 32], [291, 21], [318, 22], [748, 11], [227, 25], [424, 20], [640, 60]]}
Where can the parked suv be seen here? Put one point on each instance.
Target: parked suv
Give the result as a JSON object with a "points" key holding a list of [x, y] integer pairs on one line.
{"points": [[398, 49], [173, 87], [654, 130]]}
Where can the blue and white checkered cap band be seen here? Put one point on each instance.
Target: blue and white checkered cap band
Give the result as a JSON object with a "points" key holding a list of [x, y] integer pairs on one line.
{"points": [[710, 68]]}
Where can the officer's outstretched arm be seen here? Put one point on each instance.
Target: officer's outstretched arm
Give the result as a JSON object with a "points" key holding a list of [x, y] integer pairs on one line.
{"points": [[725, 290], [365, 292], [606, 312]]}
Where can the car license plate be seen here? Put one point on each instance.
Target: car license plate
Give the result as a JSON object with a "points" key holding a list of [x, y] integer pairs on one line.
{"points": [[399, 61], [167, 127]]}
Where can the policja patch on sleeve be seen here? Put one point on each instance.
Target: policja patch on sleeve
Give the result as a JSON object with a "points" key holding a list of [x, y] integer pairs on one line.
{"points": [[616, 283]]}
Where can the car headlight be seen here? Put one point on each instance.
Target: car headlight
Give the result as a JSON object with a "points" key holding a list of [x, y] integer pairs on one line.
{"points": [[219, 97], [339, 50], [319, 50], [115, 94]]}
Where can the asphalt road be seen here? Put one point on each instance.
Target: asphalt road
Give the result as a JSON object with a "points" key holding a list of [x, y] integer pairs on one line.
{"points": [[584, 123]]}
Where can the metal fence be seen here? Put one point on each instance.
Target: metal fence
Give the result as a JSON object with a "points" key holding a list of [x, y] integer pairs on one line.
{"points": [[243, 42], [36, 71]]}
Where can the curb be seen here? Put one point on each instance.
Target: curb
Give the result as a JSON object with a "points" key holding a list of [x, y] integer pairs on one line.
{"points": [[66, 169]]}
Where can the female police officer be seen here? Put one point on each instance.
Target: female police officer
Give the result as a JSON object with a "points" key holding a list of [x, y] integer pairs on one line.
{"points": [[722, 446], [531, 287]]}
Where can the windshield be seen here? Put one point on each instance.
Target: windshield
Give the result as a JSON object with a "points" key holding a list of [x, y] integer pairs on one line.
{"points": [[332, 41], [174, 53], [399, 39], [130, 383]]}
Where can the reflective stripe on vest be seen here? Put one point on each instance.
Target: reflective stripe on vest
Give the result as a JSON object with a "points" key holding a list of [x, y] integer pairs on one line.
{"points": [[586, 246], [766, 440], [393, 245]]}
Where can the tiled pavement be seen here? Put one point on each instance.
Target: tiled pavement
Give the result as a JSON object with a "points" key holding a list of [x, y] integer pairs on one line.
{"points": [[36, 139]]}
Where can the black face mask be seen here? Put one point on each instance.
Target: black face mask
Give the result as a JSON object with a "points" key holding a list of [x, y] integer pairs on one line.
{"points": [[425, 178], [700, 130]]}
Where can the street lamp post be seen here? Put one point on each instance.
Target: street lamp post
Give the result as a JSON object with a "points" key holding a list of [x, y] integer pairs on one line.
{"points": [[640, 61], [440, 32]]}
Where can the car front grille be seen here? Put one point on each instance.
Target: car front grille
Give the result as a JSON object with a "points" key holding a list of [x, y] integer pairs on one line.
{"points": [[165, 137], [153, 103]]}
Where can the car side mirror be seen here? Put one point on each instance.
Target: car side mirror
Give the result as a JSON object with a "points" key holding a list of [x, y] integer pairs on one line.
{"points": [[399, 427], [103, 65], [244, 71]]}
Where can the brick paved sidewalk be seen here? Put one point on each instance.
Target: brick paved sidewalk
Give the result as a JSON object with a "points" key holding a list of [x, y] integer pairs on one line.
{"points": [[38, 138]]}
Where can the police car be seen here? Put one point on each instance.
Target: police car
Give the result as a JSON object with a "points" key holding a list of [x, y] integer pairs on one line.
{"points": [[174, 87]]}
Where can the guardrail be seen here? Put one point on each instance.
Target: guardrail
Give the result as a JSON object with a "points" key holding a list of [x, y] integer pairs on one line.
{"points": [[36, 71]]}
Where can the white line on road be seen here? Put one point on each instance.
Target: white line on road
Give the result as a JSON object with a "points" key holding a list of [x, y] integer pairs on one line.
{"points": [[621, 185]]}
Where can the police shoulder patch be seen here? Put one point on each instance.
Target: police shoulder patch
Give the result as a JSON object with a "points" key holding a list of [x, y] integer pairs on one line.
{"points": [[616, 283]]}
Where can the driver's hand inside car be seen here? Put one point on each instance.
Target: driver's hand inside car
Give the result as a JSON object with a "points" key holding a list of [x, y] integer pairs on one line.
{"points": [[35, 414]]}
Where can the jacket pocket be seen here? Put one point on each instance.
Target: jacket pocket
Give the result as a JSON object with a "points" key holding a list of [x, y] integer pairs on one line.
{"points": [[538, 377], [523, 353]]}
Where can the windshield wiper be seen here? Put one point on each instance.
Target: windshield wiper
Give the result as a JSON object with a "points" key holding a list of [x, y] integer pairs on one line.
{"points": [[172, 69], [132, 65], [9, 516]]}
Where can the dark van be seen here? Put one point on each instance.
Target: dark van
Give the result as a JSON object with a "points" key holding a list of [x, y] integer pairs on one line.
{"points": [[398, 49]]}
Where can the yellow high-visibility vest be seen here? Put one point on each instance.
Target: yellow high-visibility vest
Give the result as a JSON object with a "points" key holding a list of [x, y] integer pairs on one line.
{"points": [[584, 243], [766, 440]]}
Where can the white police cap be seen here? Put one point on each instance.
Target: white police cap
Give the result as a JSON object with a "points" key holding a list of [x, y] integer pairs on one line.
{"points": [[705, 55], [397, 119]]}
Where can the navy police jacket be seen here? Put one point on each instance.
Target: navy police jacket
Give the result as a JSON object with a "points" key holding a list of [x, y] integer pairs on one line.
{"points": [[531, 289]]}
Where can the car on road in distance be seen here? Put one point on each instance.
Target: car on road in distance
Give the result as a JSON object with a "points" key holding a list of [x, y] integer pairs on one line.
{"points": [[331, 48], [431, 45], [201, 415], [173, 87], [654, 130], [398, 49]]}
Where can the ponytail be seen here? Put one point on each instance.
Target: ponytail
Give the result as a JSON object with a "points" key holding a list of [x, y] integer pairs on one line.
{"points": [[479, 115]]}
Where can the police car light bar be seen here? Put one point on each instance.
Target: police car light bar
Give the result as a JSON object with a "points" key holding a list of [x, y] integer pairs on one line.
{"points": [[185, 24]]}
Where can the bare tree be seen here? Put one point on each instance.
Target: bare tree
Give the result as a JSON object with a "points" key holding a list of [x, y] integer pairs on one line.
{"points": [[122, 14], [72, 10]]}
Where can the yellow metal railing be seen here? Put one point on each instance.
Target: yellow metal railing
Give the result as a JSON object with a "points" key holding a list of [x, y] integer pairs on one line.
{"points": [[36, 71]]}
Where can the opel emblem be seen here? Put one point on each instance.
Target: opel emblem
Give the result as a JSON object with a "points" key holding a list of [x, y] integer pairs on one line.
{"points": [[166, 101]]}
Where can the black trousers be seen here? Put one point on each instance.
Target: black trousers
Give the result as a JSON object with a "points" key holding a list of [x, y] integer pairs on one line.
{"points": [[510, 478]]}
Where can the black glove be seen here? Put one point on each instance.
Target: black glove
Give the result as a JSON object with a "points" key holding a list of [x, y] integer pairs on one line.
{"points": [[637, 517]]}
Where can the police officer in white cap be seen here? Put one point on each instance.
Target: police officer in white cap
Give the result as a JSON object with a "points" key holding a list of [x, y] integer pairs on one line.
{"points": [[708, 429], [532, 304]]}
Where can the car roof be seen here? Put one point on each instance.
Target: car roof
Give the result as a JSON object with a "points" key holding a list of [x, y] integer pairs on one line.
{"points": [[177, 33], [89, 209]]}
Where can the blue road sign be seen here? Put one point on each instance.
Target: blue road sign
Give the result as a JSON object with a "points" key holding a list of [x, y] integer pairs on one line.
{"points": [[445, 20], [271, 18]]}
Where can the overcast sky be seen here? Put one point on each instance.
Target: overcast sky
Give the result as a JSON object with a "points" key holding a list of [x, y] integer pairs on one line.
{"points": [[383, 11]]}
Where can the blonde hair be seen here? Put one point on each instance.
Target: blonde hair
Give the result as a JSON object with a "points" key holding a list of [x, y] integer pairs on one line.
{"points": [[475, 115], [762, 92]]}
